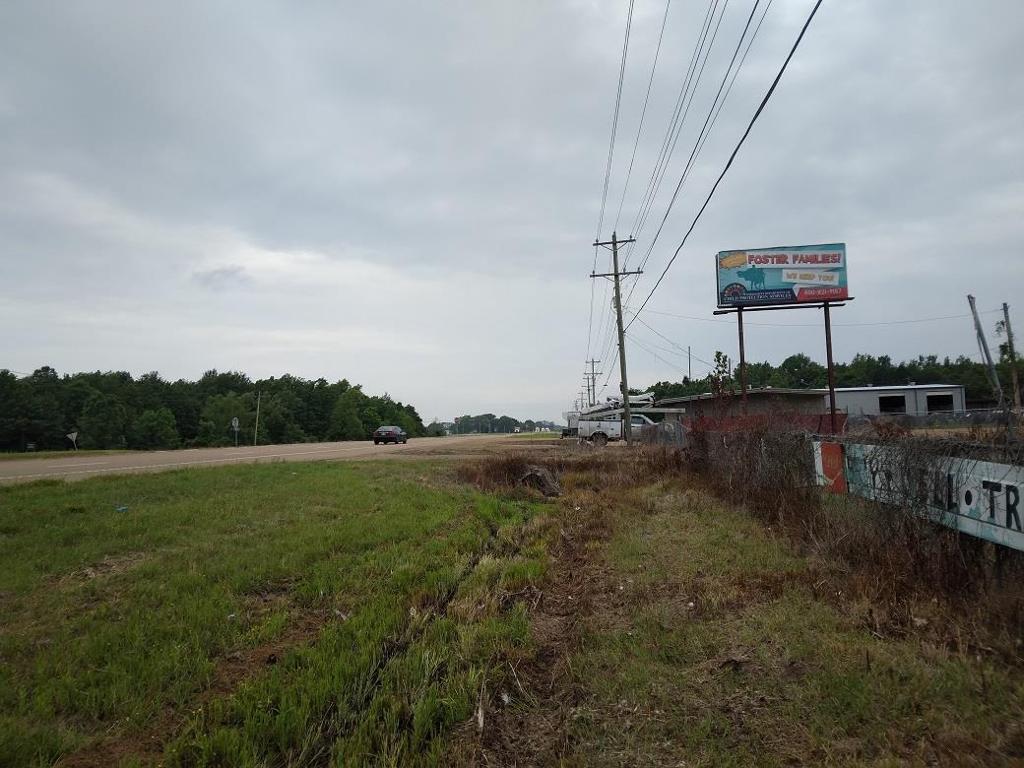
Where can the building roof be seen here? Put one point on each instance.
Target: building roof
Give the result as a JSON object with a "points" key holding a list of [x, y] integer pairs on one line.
{"points": [[900, 387], [760, 392]]}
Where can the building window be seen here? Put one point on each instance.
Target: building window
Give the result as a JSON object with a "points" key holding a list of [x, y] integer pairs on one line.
{"points": [[940, 403], [892, 404]]}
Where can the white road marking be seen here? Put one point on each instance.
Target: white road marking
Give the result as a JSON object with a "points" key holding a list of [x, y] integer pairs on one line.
{"points": [[58, 467]]}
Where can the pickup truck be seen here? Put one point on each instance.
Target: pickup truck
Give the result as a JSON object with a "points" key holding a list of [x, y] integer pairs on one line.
{"points": [[600, 429]]}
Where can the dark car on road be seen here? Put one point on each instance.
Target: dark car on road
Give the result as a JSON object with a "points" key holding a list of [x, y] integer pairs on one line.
{"points": [[390, 435]]}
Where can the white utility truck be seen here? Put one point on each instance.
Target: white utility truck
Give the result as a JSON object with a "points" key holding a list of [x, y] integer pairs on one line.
{"points": [[599, 428], [602, 423]]}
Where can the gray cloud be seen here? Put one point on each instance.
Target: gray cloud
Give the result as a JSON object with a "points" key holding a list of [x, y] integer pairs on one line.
{"points": [[222, 278], [153, 158]]}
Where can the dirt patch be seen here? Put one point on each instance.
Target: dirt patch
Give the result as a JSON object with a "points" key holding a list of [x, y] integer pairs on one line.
{"points": [[109, 566]]}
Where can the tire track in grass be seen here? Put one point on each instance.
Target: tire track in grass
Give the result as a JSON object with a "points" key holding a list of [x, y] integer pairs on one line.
{"points": [[318, 750], [348, 707], [305, 626]]}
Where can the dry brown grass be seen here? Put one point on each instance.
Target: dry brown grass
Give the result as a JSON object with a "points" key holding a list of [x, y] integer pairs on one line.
{"points": [[677, 628], [899, 564], [584, 467]]}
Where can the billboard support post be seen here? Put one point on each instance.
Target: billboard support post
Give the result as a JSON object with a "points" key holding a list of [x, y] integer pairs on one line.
{"points": [[783, 277], [743, 359], [825, 305], [831, 369]]}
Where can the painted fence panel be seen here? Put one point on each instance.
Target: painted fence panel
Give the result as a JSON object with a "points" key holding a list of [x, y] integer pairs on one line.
{"points": [[979, 498]]}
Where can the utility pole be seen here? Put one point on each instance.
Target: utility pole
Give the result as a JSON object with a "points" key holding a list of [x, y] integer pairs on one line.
{"points": [[689, 364], [616, 276], [990, 367], [592, 378], [256, 432], [1013, 357]]}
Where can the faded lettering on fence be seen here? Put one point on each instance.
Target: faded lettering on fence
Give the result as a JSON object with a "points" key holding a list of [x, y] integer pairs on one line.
{"points": [[980, 498]]}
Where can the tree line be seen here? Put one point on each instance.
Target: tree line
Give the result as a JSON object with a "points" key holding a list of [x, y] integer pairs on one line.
{"points": [[115, 410], [800, 372], [487, 423]]}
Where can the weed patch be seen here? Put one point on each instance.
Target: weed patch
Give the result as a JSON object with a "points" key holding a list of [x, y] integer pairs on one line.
{"points": [[274, 614], [677, 628]]}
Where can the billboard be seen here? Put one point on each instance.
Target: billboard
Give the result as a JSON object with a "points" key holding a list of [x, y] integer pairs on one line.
{"points": [[785, 275]]}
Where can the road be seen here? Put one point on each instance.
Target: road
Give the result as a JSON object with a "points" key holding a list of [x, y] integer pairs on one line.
{"points": [[78, 466]]}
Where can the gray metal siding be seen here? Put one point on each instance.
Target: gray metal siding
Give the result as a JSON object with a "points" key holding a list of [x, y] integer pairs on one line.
{"points": [[865, 402]]}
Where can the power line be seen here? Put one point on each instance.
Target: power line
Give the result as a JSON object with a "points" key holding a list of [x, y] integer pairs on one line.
{"points": [[643, 113], [732, 157], [700, 133], [818, 325], [679, 114], [651, 352], [674, 344], [669, 351], [709, 123], [608, 166]]}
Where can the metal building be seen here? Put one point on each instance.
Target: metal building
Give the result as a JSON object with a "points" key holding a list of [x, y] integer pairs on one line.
{"points": [[908, 400]]}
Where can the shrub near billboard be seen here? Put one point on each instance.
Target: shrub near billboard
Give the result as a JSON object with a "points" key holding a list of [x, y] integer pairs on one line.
{"points": [[786, 275]]}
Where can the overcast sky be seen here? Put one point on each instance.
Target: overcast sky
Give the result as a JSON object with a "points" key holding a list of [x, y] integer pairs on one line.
{"points": [[403, 194]]}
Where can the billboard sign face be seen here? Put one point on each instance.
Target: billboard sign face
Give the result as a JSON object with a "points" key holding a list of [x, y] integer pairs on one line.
{"points": [[787, 275]]}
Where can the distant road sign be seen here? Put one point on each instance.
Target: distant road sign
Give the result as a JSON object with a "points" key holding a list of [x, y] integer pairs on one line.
{"points": [[234, 423]]}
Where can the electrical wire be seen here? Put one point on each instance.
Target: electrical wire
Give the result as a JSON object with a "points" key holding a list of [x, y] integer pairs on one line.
{"points": [[651, 352], [709, 123], [681, 349], [675, 140], [608, 166], [643, 113], [818, 325], [679, 114], [732, 157]]}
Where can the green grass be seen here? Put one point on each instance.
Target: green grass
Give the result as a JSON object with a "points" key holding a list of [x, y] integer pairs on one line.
{"points": [[55, 454], [727, 656], [125, 598]]}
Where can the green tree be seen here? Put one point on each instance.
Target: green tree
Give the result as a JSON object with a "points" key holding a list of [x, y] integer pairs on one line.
{"points": [[103, 422], [154, 429], [345, 423], [215, 421], [277, 421], [799, 372]]}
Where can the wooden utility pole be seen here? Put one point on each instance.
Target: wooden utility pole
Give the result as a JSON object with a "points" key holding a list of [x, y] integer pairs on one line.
{"points": [[616, 276], [592, 375], [256, 431], [993, 377], [1013, 357]]}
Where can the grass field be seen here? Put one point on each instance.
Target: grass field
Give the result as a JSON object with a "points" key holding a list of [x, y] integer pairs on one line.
{"points": [[22, 455], [276, 614], [386, 614]]}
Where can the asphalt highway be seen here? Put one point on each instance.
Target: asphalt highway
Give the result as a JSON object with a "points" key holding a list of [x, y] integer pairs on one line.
{"points": [[81, 465]]}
